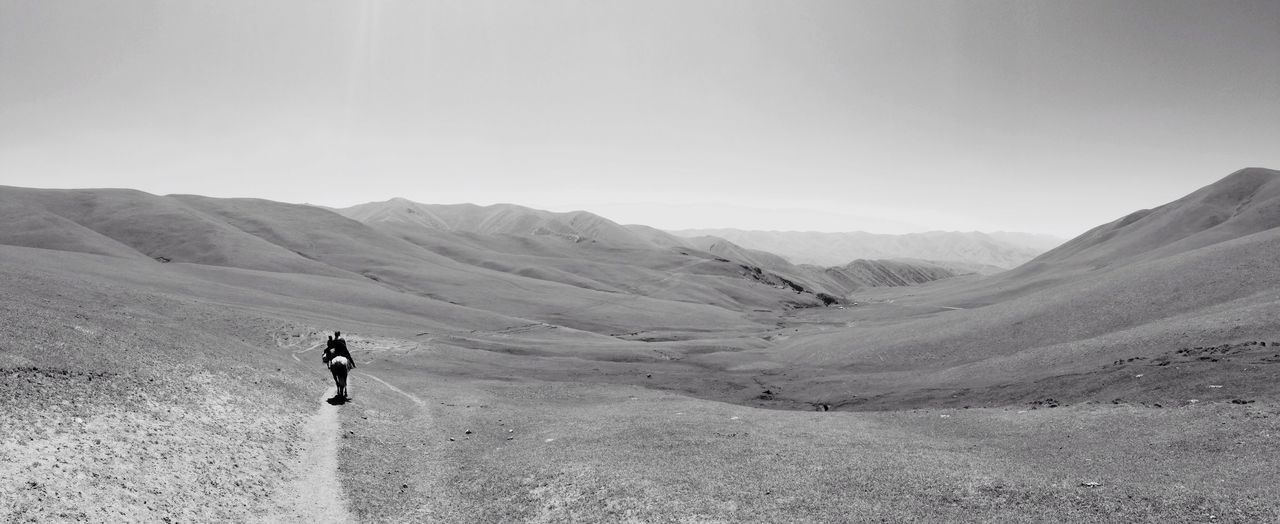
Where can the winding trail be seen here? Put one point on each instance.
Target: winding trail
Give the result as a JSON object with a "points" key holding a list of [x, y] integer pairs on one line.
{"points": [[295, 353], [410, 396], [315, 495]]}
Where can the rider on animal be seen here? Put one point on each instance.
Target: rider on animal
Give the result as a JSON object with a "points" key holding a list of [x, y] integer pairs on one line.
{"points": [[339, 361], [337, 347]]}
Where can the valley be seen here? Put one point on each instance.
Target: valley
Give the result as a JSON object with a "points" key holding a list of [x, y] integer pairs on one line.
{"points": [[162, 353]]}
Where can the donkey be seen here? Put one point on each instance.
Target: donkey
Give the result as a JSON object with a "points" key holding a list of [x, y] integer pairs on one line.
{"points": [[339, 361], [339, 366]]}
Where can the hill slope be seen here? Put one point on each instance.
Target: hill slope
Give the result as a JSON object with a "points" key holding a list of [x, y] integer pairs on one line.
{"points": [[1246, 202], [861, 274], [498, 219], [589, 251], [838, 249], [1200, 271], [129, 223]]}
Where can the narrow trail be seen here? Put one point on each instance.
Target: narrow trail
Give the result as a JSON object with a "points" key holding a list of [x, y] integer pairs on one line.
{"points": [[315, 495], [295, 353], [427, 419], [410, 396]]}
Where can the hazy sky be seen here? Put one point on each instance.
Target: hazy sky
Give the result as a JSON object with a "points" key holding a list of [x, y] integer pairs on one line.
{"points": [[1048, 117]]}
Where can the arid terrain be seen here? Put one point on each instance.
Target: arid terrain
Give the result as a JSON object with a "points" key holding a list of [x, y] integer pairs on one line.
{"points": [[160, 361]]}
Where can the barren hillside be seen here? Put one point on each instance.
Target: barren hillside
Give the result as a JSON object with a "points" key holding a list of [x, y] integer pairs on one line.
{"points": [[1001, 250], [163, 363]]}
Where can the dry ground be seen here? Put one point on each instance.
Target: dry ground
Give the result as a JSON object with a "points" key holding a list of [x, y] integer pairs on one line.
{"points": [[480, 450], [145, 397]]}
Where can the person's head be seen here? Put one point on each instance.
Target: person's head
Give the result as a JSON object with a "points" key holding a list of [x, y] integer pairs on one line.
{"points": [[337, 334]]}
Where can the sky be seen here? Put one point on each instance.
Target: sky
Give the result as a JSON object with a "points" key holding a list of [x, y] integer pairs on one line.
{"points": [[890, 116]]}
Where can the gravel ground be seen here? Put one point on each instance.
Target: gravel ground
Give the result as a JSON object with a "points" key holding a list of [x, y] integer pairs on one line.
{"points": [[123, 406], [531, 451]]}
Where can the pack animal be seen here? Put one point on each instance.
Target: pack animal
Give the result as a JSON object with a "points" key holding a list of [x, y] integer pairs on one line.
{"points": [[338, 359]]}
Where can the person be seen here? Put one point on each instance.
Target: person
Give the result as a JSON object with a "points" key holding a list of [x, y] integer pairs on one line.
{"points": [[340, 345], [337, 347], [339, 361]]}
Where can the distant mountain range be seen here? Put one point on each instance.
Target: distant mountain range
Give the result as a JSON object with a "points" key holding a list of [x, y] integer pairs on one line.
{"points": [[484, 224], [972, 251], [959, 253], [497, 219]]}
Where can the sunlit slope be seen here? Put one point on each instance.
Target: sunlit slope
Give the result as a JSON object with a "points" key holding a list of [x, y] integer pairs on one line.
{"points": [[342, 301], [1172, 292], [840, 280], [407, 267], [28, 224], [657, 236], [837, 249], [1243, 203], [260, 235], [236, 251], [289, 239], [1201, 270], [594, 253], [1246, 202], [106, 221], [861, 274], [687, 275], [587, 251], [497, 219]]}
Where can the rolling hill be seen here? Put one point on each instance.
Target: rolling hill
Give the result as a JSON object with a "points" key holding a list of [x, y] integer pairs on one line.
{"points": [[469, 264], [1197, 272], [1244, 203], [861, 274], [498, 219], [975, 250], [520, 240]]}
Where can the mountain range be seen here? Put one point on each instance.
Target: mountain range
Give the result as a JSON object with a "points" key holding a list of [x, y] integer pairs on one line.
{"points": [[980, 252], [501, 259]]}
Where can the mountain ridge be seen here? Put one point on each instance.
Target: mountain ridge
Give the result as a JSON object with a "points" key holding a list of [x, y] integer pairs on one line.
{"points": [[402, 216], [837, 249], [1197, 271]]}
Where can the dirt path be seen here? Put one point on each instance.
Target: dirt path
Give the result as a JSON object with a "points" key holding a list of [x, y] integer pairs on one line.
{"points": [[315, 495], [295, 353], [410, 396]]}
